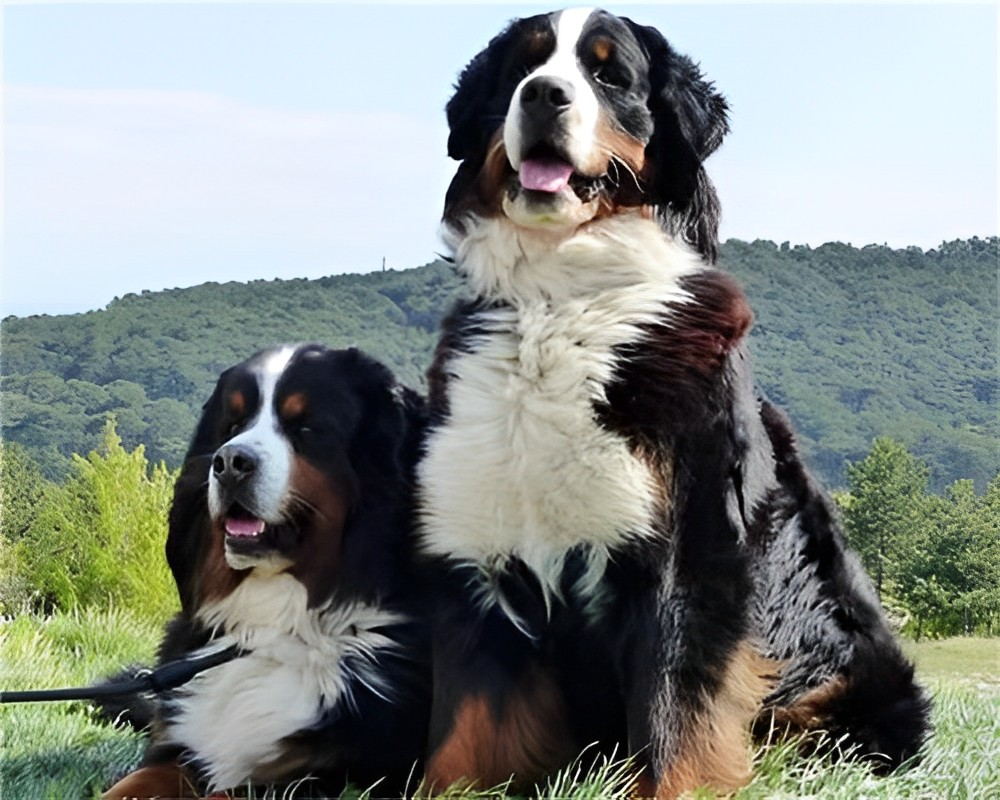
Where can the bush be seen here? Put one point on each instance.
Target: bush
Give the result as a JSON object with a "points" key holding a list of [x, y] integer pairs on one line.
{"points": [[22, 487], [15, 591], [98, 539]]}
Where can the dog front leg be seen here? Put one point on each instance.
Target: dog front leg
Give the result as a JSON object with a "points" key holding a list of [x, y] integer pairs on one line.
{"points": [[497, 714], [168, 780], [694, 688]]}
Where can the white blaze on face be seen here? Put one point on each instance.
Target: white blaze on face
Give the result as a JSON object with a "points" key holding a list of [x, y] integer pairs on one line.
{"points": [[582, 116], [263, 438]]}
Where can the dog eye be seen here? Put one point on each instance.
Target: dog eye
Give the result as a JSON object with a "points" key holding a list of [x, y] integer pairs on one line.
{"points": [[234, 428], [608, 75], [303, 429]]}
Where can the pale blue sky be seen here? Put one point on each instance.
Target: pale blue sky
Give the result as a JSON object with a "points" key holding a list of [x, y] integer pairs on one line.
{"points": [[152, 146]]}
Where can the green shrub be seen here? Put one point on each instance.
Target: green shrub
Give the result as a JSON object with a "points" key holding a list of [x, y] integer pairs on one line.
{"points": [[22, 487], [15, 591], [98, 539]]}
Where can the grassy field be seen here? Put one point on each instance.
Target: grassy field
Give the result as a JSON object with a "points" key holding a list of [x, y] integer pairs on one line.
{"points": [[61, 752]]}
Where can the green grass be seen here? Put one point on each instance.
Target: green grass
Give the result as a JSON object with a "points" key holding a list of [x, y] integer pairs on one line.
{"points": [[961, 761], [969, 659], [60, 751]]}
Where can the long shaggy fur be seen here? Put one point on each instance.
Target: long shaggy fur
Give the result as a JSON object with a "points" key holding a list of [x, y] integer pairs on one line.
{"points": [[616, 526], [290, 538]]}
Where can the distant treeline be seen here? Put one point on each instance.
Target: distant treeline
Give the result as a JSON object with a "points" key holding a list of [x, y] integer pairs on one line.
{"points": [[95, 539], [854, 342]]}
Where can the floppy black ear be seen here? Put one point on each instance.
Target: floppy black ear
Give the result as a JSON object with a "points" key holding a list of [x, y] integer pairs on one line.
{"points": [[392, 421], [189, 521], [469, 112], [383, 455], [189, 529], [689, 124]]}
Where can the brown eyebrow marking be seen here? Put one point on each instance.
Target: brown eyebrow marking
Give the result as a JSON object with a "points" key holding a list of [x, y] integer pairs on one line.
{"points": [[237, 403], [602, 48], [293, 405], [537, 42]]}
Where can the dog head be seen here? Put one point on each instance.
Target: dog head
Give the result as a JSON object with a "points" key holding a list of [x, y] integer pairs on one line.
{"points": [[298, 464], [572, 115]]}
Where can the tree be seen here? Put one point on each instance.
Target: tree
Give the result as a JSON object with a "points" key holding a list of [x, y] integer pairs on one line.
{"points": [[888, 490], [988, 594], [99, 538], [951, 578], [864, 342], [936, 556], [22, 486], [970, 533]]}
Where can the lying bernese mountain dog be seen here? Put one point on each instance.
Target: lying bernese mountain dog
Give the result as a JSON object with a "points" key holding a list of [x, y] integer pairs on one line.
{"points": [[629, 549], [290, 537]]}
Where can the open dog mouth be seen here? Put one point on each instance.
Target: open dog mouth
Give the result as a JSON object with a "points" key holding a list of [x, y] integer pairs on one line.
{"points": [[248, 535], [544, 169], [242, 525]]}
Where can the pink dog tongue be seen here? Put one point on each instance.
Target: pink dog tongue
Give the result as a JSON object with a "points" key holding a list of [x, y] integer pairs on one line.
{"points": [[244, 527], [545, 175]]}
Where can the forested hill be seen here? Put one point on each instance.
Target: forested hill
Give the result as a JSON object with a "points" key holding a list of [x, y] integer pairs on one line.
{"points": [[855, 343]]}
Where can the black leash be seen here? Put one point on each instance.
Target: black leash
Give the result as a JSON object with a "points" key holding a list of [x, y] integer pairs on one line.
{"points": [[167, 676]]}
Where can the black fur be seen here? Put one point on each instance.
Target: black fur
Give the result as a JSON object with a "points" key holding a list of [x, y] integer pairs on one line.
{"points": [[671, 611], [667, 105], [817, 609], [747, 555], [689, 125], [135, 711], [362, 430]]}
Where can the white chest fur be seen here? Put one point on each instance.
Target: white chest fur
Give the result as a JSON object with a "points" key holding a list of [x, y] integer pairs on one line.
{"points": [[301, 662], [522, 467]]}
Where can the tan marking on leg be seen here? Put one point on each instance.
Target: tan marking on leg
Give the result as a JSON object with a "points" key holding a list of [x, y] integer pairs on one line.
{"points": [[159, 780], [457, 760], [811, 710], [644, 786], [528, 741], [716, 750]]}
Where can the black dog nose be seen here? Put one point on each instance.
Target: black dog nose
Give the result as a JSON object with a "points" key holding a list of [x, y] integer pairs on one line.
{"points": [[233, 464], [547, 94]]}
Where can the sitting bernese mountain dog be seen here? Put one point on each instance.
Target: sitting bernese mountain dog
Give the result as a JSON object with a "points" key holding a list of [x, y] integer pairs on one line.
{"points": [[629, 549], [290, 537]]}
